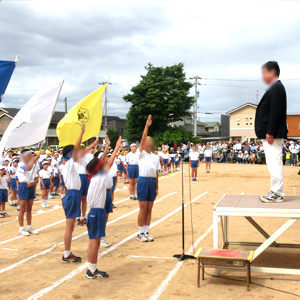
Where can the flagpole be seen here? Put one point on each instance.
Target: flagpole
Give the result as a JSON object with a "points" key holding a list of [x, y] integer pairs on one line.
{"points": [[17, 59], [105, 105], [42, 142]]}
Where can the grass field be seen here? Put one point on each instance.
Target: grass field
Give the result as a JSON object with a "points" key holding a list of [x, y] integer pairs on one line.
{"points": [[31, 266]]}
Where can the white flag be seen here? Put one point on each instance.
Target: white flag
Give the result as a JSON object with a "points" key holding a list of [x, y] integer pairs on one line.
{"points": [[31, 123]]}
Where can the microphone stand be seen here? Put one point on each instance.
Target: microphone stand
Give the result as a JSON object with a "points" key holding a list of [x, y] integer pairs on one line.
{"points": [[183, 256]]}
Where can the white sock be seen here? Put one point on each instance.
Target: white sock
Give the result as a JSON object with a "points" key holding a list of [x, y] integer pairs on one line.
{"points": [[19, 208], [21, 228], [15, 201], [92, 267], [29, 227], [67, 253], [146, 229], [141, 229], [11, 202]]}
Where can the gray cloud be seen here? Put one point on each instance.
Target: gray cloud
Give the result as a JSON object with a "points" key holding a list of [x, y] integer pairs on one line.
{"points": [[86, 42]]}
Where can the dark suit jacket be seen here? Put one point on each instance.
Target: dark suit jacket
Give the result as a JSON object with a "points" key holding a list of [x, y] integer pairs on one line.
{"points": [[271, 113]]}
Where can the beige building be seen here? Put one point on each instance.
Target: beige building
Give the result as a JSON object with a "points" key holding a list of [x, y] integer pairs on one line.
{"points": [[242, 122]]}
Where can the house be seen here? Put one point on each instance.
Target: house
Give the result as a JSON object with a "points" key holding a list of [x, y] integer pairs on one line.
{"points": [[7, 114], [188, 124], [242, 122], [293, 124], [212, 126]]}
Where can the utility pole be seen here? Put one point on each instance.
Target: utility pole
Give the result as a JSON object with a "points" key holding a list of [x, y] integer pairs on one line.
{"points": [[105, 102], [66, 105], [196, 78], [257, 95]]}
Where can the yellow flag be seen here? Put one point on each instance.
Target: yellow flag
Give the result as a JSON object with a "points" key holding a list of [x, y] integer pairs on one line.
{"points": [[89, 110]]}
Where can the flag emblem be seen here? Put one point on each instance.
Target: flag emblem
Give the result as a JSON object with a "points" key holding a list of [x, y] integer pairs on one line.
{"points": [[83, 115]]}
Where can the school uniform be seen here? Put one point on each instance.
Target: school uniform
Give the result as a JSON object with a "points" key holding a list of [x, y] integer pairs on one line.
{"points": [[24, 178], [45, 175], [42, 157], [60, 169], [146, 184], [108, 202], [119, 165], [71, 202], [165, 158], [207, 155], [3, 189], [194, 156], [55, 178], [81, 169], [177, 160], [133, 168], [96, 199], [172, 156], [13, 183], [114, 173], [124, 162]]}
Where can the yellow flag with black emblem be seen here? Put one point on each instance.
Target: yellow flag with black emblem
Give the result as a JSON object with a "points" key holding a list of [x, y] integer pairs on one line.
{"points": [[89, 110]]}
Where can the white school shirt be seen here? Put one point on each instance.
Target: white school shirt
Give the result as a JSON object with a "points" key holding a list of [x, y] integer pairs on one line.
{"points": [[207, 153], [45, 174], [114, 169], [50, 169], [3, 182], [117, 160], [71, 176], [133, 158], [12, 169], [89, 156], [60, 168], [194, 155], [172, 154], [81, 164], [23, 176], [123, 159], [35, 170], [160, 153], [96, 195], [42, 157], [109, 181], [55, 173], [148, 164]]}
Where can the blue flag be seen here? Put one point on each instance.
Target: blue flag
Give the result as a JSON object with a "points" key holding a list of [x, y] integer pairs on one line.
{"points": [[6, 70]]}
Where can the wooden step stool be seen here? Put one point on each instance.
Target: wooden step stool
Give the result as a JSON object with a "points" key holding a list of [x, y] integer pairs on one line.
{"points": [[223, 259]]}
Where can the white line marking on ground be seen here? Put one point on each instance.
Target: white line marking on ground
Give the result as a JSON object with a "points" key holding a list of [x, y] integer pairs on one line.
{"points": [[242, 193], [84, 266], [121, 200], [152, 257], [75, 237], [37, 214]]}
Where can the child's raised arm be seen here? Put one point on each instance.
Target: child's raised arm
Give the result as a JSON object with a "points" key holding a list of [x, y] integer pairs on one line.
{"points": [[145, 133], [112, 158], [78, 143], [107, 140]]}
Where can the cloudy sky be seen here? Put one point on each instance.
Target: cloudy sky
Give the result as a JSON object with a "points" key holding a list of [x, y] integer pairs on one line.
{"points": [[86, 42]]}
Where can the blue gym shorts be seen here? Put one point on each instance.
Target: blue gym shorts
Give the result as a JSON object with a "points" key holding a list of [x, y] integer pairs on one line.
{"points": [[120, 167], [194, 163], [208, 159], [13, 184], [56, 181], [71, 204], [108, 202], [46, 183], [25, 193], [172, 159], [114, 183], [165, 161], [84, 184], [133, 171], [3, 195], [176, 163], [124, 169], [146, 188], [95, 223]]}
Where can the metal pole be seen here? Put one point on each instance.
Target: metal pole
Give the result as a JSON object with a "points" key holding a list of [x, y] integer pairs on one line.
{"points": [[105, 106], [66, 105], [195, 108]]}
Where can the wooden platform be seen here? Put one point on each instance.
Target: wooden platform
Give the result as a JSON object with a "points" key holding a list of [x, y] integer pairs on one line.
{"points": [[250, 206]]}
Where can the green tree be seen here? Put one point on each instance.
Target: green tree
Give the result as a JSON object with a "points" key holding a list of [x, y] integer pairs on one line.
{"points": [[163, 93], [173, 135], [113, 135]]}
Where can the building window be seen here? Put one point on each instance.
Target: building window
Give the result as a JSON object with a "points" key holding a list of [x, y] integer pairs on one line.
{"points": [[238, 124], [120, 130], [250, 124], [247, 118], [246, 124], [250, 118]]}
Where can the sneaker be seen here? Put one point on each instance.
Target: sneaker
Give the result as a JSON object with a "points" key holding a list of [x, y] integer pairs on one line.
{"points": [[78, 222], [43, 205], [50, 196], [271, 198], [55, 194], [4, 214], [113, 206], [24, 232], [135, 197], [96, 275], [32, 231], [18, 209], [83, 221], [131, 197], [11, 204], [71, 259], [142, 238], [104, 243], [149, 237], [1, 216], [47, 205]]}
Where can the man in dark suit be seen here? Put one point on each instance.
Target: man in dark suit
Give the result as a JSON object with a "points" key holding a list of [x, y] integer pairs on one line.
{"points": [[270, 127]]}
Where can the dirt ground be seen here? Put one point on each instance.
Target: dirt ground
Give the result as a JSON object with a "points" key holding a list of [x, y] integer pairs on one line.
{"points": [[30, 267]]}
